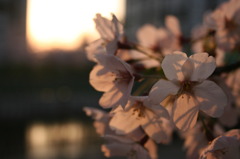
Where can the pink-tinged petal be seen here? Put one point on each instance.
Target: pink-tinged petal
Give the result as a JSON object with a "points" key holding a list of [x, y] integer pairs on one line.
{"points": [[112, 47], [101, 78], [152, 148], [94, 48], [102, 128], [185, 112], [136, 135], [118, 138], [118, 28], [118, 95], [204, 66], [173, 25], [116, 149], [155, 128], [161, 90], [211, 98], [187, 69], [95, 113], [115, 64], [172, 66], [147, 35], [123, 122], [194, 141], [139, 152], [234, 133], [104, 27], [157, 109], [222, 147]]}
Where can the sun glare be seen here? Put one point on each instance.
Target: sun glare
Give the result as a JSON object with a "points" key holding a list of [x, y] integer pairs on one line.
{"points": [[64, 24]]}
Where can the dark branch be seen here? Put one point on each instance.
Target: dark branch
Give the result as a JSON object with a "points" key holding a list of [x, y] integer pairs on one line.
{"points": [[228, 68]]}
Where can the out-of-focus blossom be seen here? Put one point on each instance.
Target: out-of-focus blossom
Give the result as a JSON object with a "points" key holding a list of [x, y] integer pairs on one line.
{"points": [[204, 41], [187, 81], [101, 124], [111, 32], [230, 116], [195, 141], [101, 120], [122, 146], [94, 49], [223, 147], [234, 133], [225, 21], [139, 112], [161, 41], [114, 77], [233, 81]]}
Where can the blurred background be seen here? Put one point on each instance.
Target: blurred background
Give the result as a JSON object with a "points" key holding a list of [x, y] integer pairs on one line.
{"points": [[44, 71]]}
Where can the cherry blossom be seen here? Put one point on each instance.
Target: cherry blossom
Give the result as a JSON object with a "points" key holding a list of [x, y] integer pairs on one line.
{"points": [[114, 77], [163, 40], [187, 81], [225, 22], [122, 146], [195, 141], [223, 147], [101, 120], [160, 41], [111, 32], [140, 113]]}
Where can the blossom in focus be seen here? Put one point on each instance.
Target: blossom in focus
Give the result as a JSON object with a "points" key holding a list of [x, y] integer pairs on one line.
{"points": [[139, 112], [111, 32], [114, 77], [187, 81], [223, 147]]}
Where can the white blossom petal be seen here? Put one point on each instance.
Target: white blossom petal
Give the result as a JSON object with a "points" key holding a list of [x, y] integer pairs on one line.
{"points": [[95, 48], [101, 79], [104, 27], [118, 95], [222, 147], [211, 98], [147, 35], [185, 112], [173, 25], [123, 122], [116, 149], [172, 66], [187, 69], [204, 66], [161, 90]]}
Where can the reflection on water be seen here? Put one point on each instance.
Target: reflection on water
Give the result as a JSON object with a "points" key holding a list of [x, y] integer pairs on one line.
{"points": [[56, 140]]}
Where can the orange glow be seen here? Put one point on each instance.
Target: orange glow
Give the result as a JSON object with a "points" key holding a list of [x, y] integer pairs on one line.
{"points": [[63, 24]]}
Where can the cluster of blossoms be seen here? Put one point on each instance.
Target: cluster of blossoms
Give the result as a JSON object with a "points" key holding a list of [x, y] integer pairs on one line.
{"points": [[152, 89]]}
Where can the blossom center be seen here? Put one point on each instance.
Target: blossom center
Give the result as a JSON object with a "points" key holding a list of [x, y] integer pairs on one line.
{"points": [[230, 24], [186, 87], [138, 110], [121, 76]]}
